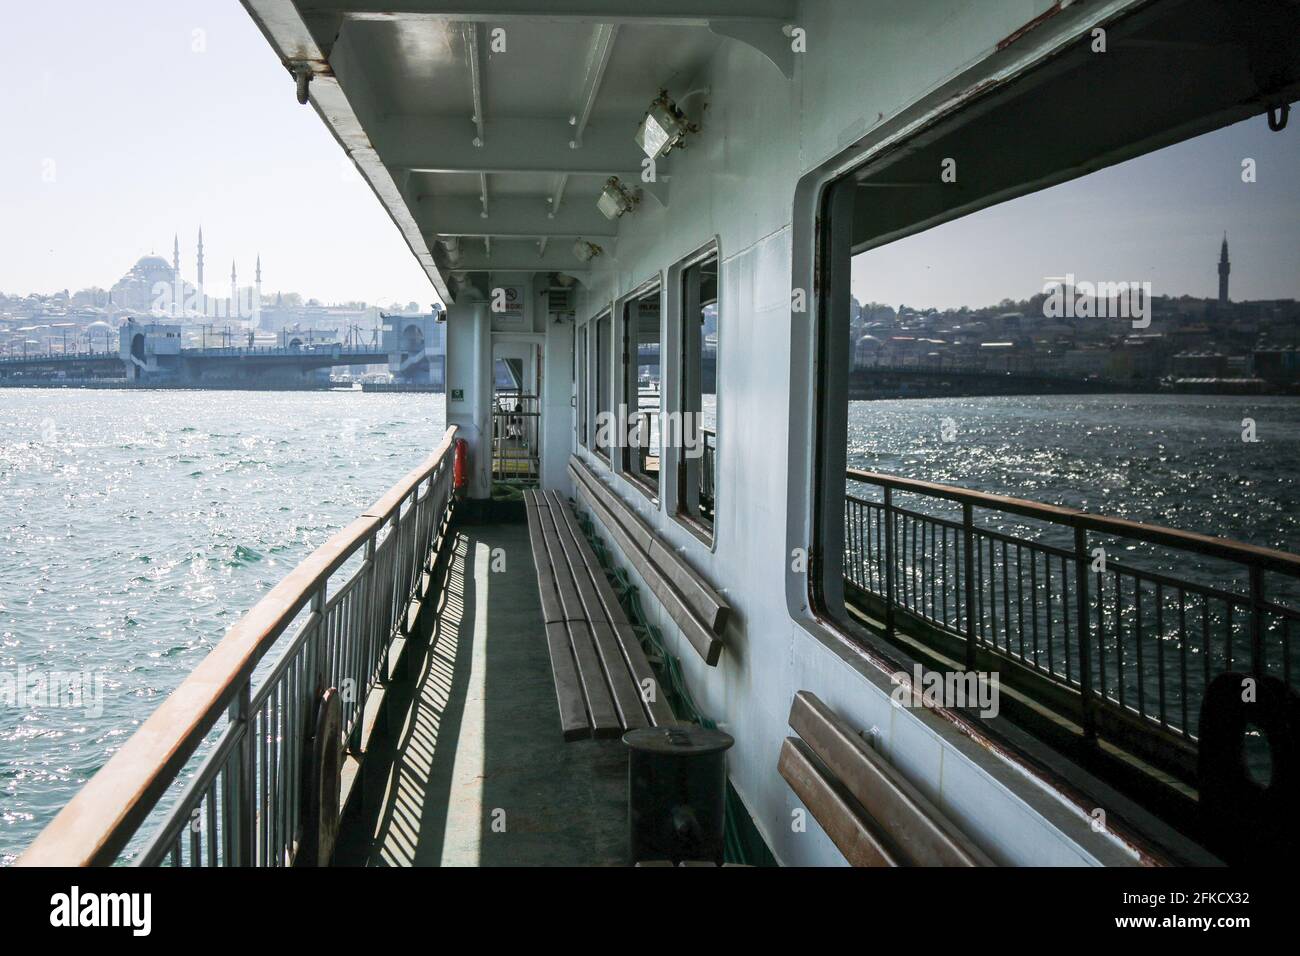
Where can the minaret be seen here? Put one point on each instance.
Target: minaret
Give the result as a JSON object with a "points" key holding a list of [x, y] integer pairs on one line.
{"points": [[257, 293], [234, 292], [177, 295], [1225, 267], [203, 306]]}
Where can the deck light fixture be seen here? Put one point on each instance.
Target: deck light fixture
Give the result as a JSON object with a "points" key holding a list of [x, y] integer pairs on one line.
{"points": [[616, 199], [586, 251], [664, 127]]}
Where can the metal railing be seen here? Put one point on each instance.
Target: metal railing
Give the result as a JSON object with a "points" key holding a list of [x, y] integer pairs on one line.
{"points": [[642, 453], [516, 451], [708, 469], [241, 799], [1119, 624]]}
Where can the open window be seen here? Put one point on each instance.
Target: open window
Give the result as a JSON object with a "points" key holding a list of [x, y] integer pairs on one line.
{"points": [[1038, 361], [642, 386], [697, 487]]}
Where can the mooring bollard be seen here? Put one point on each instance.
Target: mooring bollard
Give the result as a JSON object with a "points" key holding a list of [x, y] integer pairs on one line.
{"points": [[676, 782]]}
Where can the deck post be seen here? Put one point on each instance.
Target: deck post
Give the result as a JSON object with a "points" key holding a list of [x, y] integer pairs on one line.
{"points": [[1085, 650], [239, 786], [889, 561], [1257, 621], [968, 549]]}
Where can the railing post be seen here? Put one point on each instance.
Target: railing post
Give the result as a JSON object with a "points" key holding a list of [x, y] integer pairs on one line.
{"points": [[1256, 622], [889, 562], [968, 555], [1085, 649], [401, 582], [239, 792]]}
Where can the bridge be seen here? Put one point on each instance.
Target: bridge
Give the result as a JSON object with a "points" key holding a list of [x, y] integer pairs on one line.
{"points": [[151, 354]]}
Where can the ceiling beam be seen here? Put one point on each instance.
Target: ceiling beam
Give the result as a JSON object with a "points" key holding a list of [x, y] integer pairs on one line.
{"points": [[510, 216], [602, 45], [512, 255], [475, 78], [438, 144], [666, 12]]}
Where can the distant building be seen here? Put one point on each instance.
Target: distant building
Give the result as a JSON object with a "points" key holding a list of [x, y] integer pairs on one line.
{"points": [[135, 291]]}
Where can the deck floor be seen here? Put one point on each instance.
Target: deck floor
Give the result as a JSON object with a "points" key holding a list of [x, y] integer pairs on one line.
{"points": [[480, 773]]}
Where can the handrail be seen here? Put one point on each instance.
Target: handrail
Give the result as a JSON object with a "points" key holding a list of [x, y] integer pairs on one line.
{"points": [[1267, 558], [103, 816], [1126, 649]]}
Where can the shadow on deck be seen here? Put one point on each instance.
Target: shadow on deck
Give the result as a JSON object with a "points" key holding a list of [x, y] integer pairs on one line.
{"points": [[476, 771]]}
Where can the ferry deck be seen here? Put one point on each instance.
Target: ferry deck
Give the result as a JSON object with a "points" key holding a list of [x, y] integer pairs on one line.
{"points": [[597, 187]]}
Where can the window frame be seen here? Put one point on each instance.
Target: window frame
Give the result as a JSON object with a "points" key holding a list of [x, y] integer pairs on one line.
{"points": [[595, 351], [582, 373], [818, 218], [675, 391], [630, 393]]}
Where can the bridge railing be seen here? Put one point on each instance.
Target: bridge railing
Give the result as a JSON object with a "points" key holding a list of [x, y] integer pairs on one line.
{"points": [[242, 798], [1119, 625]]}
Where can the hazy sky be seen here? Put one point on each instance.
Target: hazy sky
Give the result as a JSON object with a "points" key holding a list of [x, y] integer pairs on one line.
{"points": [[1158, 218], [154, 129], [152, 117]]}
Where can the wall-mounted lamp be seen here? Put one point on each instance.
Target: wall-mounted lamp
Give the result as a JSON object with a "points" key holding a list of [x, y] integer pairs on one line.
{"points": [[663, 127], [616, 199], [586, 251]]}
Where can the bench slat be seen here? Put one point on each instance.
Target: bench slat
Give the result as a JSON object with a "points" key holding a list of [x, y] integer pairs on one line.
{"points": [[604, 719], [568, 689], [830, 803], [627, 696], [658, 709], [919, 830], [552, 611], [570, 603]]}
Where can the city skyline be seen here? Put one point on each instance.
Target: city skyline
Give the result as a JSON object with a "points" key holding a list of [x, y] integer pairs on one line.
{"points": [[177, 114], [1158, 218]]}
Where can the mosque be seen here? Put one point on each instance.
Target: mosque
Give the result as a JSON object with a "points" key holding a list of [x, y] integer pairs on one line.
{"points": [[153, 286]]}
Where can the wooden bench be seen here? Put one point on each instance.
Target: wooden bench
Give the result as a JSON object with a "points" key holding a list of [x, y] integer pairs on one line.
{"points": [[868, 809], [699, 610], [603, 682]]}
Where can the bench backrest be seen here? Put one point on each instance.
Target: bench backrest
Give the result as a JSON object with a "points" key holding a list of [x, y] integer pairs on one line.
{"points": [[693, 604], [868, 809]]}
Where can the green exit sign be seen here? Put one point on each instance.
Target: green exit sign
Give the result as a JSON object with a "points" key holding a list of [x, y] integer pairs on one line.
{"points": [[458, 395]]}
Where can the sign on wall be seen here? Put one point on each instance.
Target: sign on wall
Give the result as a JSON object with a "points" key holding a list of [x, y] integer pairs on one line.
{"points": [[507, 304]]}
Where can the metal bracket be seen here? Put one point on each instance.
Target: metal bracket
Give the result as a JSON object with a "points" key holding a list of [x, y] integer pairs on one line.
{"points": [[765, 36], [302, 75]]}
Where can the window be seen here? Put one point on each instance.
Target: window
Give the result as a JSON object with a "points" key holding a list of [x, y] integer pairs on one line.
{"points": [[584, 397], [698, 398], [1012, 326], [642, 387], [603, 389]]}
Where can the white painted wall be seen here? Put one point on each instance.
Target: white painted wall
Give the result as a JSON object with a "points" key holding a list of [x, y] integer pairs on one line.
{"points": [[737, 181]]}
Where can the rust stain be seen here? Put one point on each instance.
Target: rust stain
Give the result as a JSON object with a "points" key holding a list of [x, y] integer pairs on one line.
{"points": [[1052, 11]]}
